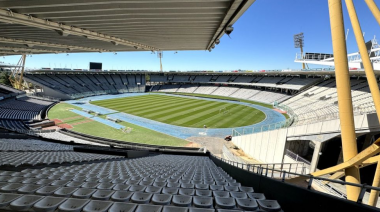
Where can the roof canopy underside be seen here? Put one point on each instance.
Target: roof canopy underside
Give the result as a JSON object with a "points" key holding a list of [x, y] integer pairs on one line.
{"points": [[55, 26]]}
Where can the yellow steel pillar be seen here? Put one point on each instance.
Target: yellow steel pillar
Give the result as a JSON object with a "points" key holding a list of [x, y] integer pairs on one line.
{"points": [[344, 95], [374, 9], [372, 82]]}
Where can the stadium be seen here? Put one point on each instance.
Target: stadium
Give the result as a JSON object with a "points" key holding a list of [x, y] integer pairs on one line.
{"points": [[197, 141]]}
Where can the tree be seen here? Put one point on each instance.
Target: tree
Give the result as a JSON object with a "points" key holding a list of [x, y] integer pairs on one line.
{"points": [[4, 78]]}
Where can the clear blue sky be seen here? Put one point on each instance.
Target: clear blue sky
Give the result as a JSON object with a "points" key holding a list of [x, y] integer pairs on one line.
{"points": [[262, 39]]}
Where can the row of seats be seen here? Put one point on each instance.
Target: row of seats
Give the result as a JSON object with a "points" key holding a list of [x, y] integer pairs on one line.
{"points": [[16, 159], [264, 96], [320, 102], [155, 183], [294, 83], [6, 92], [19, 202], [13, 124], [89, 84], [25, 108], [33, 145]]}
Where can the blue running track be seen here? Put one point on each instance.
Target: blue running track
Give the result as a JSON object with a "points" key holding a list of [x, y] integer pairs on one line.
{"points": [[178, 131]]}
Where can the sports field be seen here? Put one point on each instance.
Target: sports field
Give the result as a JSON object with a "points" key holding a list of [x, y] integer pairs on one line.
{"points": [[186, 112]]}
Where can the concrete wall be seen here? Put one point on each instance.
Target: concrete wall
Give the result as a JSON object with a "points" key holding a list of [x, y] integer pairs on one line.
{"points": [[267, 147]]}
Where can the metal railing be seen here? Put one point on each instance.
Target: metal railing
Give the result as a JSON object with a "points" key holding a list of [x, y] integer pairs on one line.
{"points": [[296, 157], [263, 128], [283, 175]]}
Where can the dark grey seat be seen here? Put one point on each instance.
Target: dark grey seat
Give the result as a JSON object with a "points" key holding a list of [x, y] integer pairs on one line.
{"points": [[174, 209], [201, 186], [64, 191], [225, 202], [201, 210], [11, 187], [121, 196], [137, 188], [74, 184], [141, 198], [171, 191], [146, 183], [187, 191], [221, 194], [102, 194], [206, 193], [202, 202], [97, 206], [121, 187], [105, 185], [149, 208], [89, 185], [83, 193], [47, 190], [6, 199], [48, 204], [187, 185], [217, 187], [238, 195], [161, 199], [231, 188], [182, 200], [247, 204], [25, 202], [118, 180], [28, 189], [173, 185], [153, 189], [246, 189], [132, 182], [269, 205], [73, 205], [256, 196], [160, 184], [60, 182], [122, 207]]}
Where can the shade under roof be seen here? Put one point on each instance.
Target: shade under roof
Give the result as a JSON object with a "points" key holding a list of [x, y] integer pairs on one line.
{"points": [[56, 26]]}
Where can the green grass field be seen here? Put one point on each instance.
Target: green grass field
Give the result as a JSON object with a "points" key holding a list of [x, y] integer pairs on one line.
{"points": [[185, 112], [138, 134]]}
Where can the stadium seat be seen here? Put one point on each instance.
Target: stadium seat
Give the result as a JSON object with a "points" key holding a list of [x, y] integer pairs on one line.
{"points": [[150, 208], [122, 207], [182, 200], [247, 204], [174, 209], [6, 199], [141, 198], [121, 196], [97, 206], [225, 202], [25, 202], [48, 204], [202, 202], [161, 199], [73, 205], [269, 205]]}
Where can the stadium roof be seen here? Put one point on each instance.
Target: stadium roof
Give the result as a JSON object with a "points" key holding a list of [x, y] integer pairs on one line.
{"points": [[55, 26]]}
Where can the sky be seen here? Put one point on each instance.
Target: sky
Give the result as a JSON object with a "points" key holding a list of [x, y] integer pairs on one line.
{"points": [[262, 40]]}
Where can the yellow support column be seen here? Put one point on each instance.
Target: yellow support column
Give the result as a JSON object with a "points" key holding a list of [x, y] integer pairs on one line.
{"points": [[344, 95], [374, 9], [371, 78]]}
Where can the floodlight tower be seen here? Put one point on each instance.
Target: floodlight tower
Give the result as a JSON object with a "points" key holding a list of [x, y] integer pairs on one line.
{"points": [[160, 54], [299, 43]]}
